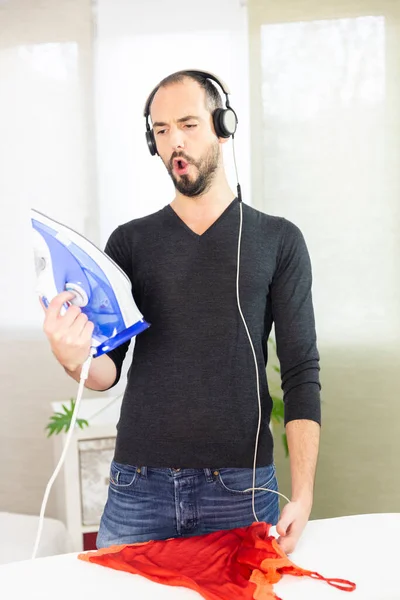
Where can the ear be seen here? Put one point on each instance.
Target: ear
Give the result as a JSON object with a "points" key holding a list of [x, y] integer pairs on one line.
{"points": [[223, 140]]}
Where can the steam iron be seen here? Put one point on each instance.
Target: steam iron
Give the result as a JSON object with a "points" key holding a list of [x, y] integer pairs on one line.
{"points": [[65, 260]]}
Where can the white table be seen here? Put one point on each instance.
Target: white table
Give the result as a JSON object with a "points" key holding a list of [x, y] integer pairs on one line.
{"points": [[363, 548]]}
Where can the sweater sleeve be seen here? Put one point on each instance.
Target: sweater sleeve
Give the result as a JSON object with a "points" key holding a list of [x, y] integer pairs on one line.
{"points": [[293, 315], [116, 249]]}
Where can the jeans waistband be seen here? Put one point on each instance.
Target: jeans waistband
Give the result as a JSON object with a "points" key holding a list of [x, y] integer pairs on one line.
{"points": [[209, 473]]}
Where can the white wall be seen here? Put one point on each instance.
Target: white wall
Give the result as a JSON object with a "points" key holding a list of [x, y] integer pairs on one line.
{"points": [[137, 45]]}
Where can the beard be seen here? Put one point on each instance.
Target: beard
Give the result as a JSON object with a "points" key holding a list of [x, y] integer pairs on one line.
{"points": [[206, 169]]}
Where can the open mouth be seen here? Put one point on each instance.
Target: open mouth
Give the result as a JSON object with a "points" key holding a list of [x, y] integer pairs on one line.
{"points": [[181, 167]]}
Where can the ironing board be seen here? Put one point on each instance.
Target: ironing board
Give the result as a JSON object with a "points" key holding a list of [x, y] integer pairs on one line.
{"points": [[361, 548]]}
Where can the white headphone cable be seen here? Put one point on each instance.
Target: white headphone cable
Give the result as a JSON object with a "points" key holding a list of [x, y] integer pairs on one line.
{"points": [[254, 488]]}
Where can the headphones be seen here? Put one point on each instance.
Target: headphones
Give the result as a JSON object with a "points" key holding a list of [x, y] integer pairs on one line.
{"points": [[224, 119]]}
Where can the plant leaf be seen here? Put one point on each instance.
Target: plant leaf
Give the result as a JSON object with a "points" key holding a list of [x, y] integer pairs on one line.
{"points": [[62, 421], [285, 444], [278, 409]]}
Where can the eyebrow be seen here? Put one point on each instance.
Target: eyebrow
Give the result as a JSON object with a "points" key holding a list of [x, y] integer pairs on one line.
{"points": [[181, 120]]}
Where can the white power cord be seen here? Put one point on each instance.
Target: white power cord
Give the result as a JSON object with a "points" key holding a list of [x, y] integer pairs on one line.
{"points": [[83, 377]]}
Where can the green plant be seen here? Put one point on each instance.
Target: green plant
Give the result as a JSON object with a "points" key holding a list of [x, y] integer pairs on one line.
{"points": [[278, 407], [60, 421]]}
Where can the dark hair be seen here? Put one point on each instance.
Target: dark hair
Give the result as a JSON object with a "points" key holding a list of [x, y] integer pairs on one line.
{"points": [[213, 98]]}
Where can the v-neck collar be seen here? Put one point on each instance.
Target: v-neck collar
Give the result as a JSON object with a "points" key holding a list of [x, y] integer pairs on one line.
{"points": [[198, 236]]}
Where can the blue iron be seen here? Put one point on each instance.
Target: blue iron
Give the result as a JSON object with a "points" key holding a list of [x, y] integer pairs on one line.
{"points": [[65, 260]]}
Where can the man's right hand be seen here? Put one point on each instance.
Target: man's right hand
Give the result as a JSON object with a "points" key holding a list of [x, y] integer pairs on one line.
{"points": [[70, 334]]}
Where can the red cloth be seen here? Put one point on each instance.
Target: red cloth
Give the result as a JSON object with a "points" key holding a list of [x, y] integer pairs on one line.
{"points": [[241, 563]]}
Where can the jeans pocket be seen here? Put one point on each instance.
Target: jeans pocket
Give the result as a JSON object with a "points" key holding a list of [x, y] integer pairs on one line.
{"points": [[122, 476], [240, 481]]}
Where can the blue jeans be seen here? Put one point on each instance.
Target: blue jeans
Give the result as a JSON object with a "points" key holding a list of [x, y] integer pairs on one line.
{"points": [[154, 504]]}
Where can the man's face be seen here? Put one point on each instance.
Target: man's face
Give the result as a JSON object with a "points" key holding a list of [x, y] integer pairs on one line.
{"points": [[185, 137]]}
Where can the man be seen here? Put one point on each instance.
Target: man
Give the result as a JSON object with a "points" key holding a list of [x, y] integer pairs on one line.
{"points": [[183, 462]]}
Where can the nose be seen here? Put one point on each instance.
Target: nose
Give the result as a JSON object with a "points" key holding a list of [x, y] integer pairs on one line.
{"points": [[176, 138]]}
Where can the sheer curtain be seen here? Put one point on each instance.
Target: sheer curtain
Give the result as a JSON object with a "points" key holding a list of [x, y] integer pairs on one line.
{"points": [[326, 145]]}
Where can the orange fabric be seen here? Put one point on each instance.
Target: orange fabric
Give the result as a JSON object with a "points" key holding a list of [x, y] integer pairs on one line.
{"points": [[241, 563]]}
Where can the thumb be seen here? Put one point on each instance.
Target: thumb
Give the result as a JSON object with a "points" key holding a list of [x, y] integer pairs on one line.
{"points": [[283, 524]]}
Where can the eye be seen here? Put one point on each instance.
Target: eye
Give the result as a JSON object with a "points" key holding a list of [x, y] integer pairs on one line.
{"points": [[161, 132], [191, 126]]}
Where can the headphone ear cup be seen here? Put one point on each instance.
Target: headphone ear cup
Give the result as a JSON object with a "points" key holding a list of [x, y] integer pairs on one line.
{"points": [[225, 122], [151, 142]]}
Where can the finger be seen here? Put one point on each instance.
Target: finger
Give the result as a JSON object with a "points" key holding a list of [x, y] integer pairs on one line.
{"points": [[55, 306], [283, 524], [59, 327], [280, 529], [288, 544], [78, 323], [73, 337], [293, 532], [87, 331], [70, 318]]}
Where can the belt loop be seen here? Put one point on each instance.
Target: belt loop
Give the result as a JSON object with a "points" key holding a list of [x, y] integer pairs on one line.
{"points": [[143, 472], [208, 474]]}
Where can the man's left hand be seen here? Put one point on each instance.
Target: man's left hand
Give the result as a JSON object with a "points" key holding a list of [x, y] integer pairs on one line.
{"points": [[293, 519]]}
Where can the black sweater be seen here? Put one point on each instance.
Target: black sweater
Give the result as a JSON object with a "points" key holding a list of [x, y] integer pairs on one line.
{"points": [[191, 395]]}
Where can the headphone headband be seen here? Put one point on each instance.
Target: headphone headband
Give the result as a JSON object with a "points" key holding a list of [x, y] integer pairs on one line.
{"points": [[224, 119], [189, 72]]}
